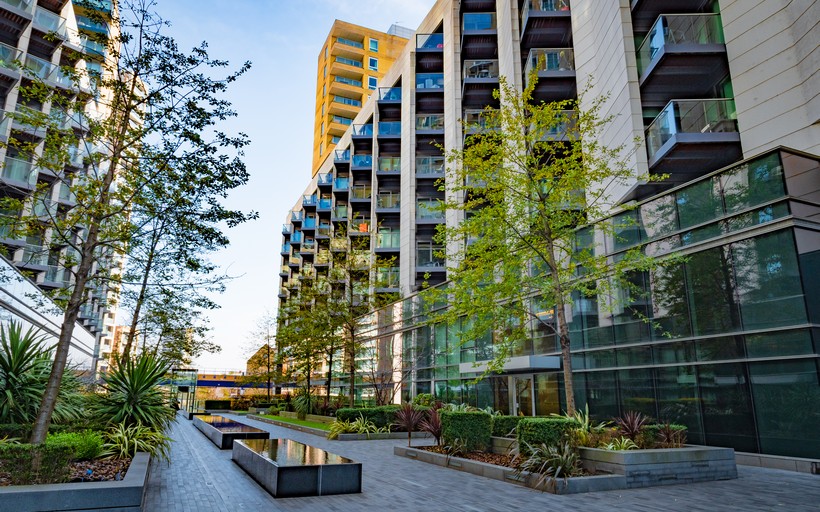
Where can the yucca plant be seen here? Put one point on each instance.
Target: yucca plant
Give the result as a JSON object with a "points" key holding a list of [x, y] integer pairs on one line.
{"points": [[550, 463], [123, 441], [133, 395], [631, 423], [363, 426], [408, 418], [340, 427], [621, 444], [25, 365]]}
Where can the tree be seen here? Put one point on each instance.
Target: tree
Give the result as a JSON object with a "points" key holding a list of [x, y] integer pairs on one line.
{"points": [[262, 365], [528, 177], [151, 109]]}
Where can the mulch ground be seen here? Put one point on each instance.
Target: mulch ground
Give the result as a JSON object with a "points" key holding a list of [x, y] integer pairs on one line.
{"points": [[490, 458], [100, 471]]}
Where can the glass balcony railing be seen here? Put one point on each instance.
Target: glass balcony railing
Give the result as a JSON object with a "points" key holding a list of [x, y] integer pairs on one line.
{"points": [[360, 225], [19, 170], [23, 5], [679, 29], [50, 22], [347, 81], [361, 192], [65, 194], [430, 41], [362, 161], [5, 122], [428, 255], [294, 260], [480, 69], [338, 244], [57, 274], [308, 245], [340, 212], [349, 62], [308, 201], [310, 222], [35, 254], [430, 165], [429, 209], [428, 81], [296, 216], [325, 178], [342, 183], [350, 42], [105, 6], [286, 229], [341, 156], [341, 120], [387, 277], [323, 229], [478, 21], [390, 164], [44, 207], [388, 200], [690, 116], [430, 122], [85, 23], [325, 203], [388, 238], [347, 101], [46, 71], [9, 55], [475, 119], [363, 130], [550, 59], [389, 128], [390, 93], [286, 248], [322, 257]]}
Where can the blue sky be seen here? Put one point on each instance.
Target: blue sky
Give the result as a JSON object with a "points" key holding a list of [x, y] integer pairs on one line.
{"points": [[275, 102]]}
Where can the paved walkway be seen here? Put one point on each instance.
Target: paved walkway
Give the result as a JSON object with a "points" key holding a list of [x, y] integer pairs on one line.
{"points": [[201, 478]]}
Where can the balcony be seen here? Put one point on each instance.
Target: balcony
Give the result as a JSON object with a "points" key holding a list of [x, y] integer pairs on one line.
{"points": [[361, 193], [344, 106], [387, 279], [46, 71], [19, 173], [85, 23], [362, 136], [8, 56], [683, 56], [388, 202], [308, 246], [324, 204], [388, 239], [692, 137], [22, 5], [325, 179], [479, 39], [338, 244], [360, 226], [429, 258], [344, 85], [297, 216], [323, 229], [322, 258], [341, 184], [309, 201], [429, 42], [389, 129], [362, 161], [555, 69], [430, 167], [390, 94], [44, 208], [34, 255], [341, 156], [349, 62], [294, 261], [309, 223], [57, 276], [389, 165], [430, 82], [49, 23], [65, 195], [296, 238], [428, 211], [339, 213], [285, 249], [350, 42], [430, 123], [283, 292], [545, 23]]}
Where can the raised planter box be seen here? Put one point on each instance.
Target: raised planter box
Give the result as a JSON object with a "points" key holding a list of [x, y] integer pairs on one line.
{"points": [[299, 428], [223, 431], [505, 474], [665, 466], [287, 468], [123, 496], [382, 436], [503, 445]]}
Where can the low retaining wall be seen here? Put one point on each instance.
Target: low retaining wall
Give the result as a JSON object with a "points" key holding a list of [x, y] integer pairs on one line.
{"points": [[300, 428], [503, 445], [665, 466], [123, 496], [797, 464], [382, 435], [571, 486], [224, 440]]}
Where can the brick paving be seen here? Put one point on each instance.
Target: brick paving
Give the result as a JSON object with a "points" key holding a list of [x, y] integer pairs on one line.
{"points": [[202, 478]]}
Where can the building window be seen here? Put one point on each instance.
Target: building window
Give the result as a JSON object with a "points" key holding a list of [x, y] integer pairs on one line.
{"points": [[324, 71], [374, 45], [324, 90], [335, 139], [372, 82], [373, 63], [321, 148], [322, 129], [325, 52], [323, 109]]}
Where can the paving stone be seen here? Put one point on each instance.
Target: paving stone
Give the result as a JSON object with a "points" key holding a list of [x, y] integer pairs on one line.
{"points": [[202, 478]]}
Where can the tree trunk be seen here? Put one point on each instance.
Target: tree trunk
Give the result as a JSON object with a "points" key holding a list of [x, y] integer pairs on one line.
{"points": [[329, 376], [351, 368], [141, 297], [566, 358], [268, 370]]}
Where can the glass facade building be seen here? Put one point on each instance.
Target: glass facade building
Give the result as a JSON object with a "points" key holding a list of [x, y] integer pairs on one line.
{"points": [[725, 341]]}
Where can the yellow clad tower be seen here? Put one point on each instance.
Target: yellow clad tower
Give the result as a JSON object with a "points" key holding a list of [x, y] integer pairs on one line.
{"points": [[350, 64]]}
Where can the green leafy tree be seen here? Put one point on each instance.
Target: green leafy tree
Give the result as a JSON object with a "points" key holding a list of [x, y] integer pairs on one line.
{"points": [[263, 364], [150, 117], [529, 175]]}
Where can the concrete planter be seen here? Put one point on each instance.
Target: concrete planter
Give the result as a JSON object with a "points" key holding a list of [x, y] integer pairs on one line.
{"points": [[570, 486], [123, 496], [665, 466], [224, 437], [385, 435], [299, 428], [503, 445], [279, 466]]}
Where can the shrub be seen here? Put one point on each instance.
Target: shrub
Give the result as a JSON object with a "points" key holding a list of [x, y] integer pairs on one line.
{"points": [[505, 426], [272, 411], [340, 427], [474, 428], [87, 445], [122, 442], [54, 458], [432, 424], [621, 444], [304, 404], [382, 416], [425, 399], [666, 435], [550, 462], [240, 405], [631, 423], [223, 405], [548, 431], [408, 419]]}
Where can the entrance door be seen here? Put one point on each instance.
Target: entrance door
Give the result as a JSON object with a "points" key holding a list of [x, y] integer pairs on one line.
{"points": [[523, 396]]}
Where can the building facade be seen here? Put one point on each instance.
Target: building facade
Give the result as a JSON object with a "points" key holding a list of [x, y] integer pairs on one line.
{"points": [[352, 61], [38, 39], [714, 90]]}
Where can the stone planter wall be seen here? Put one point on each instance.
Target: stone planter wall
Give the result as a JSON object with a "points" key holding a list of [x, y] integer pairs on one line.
{"points": [[123, 496], [647, 468], [224, 440], [503, 445]]}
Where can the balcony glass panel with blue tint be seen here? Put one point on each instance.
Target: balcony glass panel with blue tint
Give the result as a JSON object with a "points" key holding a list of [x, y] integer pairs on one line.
{"points": [[430, 41], [364, 130], [690, 29], [342, 183], [23, 5], [430, 122], [430, 165], [363, 160], [85, 23], [341, 120], [309, 200], [428, 81], [348, 81], [325, 179], [690, 116], [325, 203], [388, 238], [349, 62], [347, 101], [341, 156], [390, 93], [8, 55], [349, 42], [479, 21], [429, 209], [389, 128]]}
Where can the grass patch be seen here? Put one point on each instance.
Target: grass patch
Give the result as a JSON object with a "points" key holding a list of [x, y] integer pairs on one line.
{"points": [[303, 423]]}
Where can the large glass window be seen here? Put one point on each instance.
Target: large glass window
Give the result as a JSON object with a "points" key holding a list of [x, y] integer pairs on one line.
{"points": [[669, 303], [712, 301], [727, 407], [373, 63], [602, 394], [779, 344], [699, 203], [678, 400], [637, 391], [768, 281], [787, 401], [372, 83], [757, 182], [547, 394]]}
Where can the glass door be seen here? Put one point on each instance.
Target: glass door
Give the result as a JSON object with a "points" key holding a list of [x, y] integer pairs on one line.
{"points": [[523, 395]]}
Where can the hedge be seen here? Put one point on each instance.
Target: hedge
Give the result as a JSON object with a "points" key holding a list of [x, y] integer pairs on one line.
{"points": [[381, 416], [54, 456], [218, 404], [548, 431], [504, 426], [473, 428]]}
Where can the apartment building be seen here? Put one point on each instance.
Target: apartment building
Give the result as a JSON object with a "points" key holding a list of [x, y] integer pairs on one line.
{"points": [[723, 96], [38, 38], [352, 61]]}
